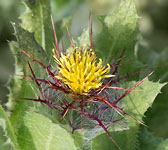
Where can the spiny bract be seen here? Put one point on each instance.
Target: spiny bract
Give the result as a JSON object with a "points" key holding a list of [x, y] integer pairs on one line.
{"points": [[80, 69]]}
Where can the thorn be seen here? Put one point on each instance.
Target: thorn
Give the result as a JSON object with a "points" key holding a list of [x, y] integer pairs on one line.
{"points": [[63, 48], [128, 91], [65, 112], [32, 78], [48, 71], [90, 26], [118, 62], [43, 93], [39, 87], [111, 105], [108, 87], [124, 77], [55, 35], [104, 128], [33, 99], [72, 44]]}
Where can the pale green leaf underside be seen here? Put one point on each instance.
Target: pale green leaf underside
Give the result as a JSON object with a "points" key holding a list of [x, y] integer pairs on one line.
{"points": [[39, 133]]}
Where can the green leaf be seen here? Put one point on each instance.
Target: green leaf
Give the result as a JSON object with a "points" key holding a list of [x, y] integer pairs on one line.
{"points": [[84, 37], [158, 114], [119, 32], [20, 106], [104, 142], [27, 42], [135, 104], [19, 87], [104, 7], [37, 19], [14, 82], [5, 144], [156, 61], [146, 140], [139, 100], [14, 85], [8, 128], [163, 145], [78, 138], [39, 133], [62, 9], [151, 137]]}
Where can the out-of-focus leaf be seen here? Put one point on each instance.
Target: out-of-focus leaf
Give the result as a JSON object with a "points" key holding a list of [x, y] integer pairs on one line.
{"points": [[155, 61], [103, 7], [8, 128], [163, 145], [156, 117], [61, 9], [147, 140], [161, 65], [37, 19], [84, 38], [39, 133], [5, 143]]}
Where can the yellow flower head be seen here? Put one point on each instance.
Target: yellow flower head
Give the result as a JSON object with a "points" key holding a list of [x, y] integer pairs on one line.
{"points": [[80, 71]]}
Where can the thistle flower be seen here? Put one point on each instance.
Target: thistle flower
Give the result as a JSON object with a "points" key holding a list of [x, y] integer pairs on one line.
{"points": [[89, 83], [79, 70]]}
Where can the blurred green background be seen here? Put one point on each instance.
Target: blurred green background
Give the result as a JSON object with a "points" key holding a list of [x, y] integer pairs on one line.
{"points": [[9, 12], [153, 48]]}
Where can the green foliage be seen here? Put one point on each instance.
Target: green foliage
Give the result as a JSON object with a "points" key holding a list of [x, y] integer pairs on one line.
{"points": [[156, 61], [37, 19], [27, 42], [147, 140], [39, 133], [8, 128], [30, 127], [120, 31], [17, 106], [4, 144], [61, 9], [15, 83], [163, 145], [135, 104], [138, 101]]}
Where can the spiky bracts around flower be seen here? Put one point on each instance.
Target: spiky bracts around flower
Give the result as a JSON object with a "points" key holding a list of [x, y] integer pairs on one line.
{"points": [[88, 87]]}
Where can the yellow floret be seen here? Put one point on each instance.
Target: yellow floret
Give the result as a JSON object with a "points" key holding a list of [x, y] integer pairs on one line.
{"points": [[79, 70]]}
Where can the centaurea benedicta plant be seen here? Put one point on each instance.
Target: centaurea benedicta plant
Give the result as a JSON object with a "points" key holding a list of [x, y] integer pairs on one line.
{"points": [[89, 83]]}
